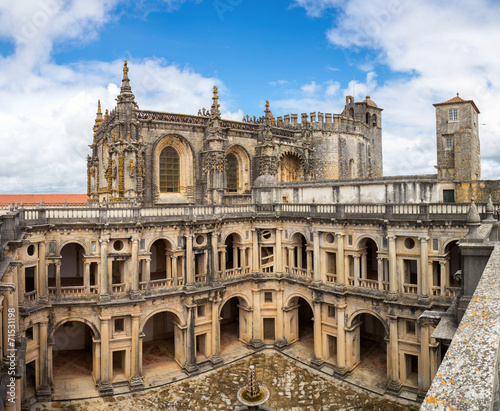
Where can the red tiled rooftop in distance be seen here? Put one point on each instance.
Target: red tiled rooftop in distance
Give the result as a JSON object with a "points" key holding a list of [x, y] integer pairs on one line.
{"points": [[45, 198]]}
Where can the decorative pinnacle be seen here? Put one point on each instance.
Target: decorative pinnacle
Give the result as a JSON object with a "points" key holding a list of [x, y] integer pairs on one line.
{"points": [[125, 71], [215, 104], [253, 389], [472, 214]]}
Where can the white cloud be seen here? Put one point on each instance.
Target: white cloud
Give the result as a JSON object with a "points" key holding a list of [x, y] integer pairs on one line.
{"points": [[310, 88], [47, 110], [278, 82], [440, 50], [315, 8]]}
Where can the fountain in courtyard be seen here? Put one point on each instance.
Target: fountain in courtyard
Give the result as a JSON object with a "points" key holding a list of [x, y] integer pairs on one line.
{"points": [[253, 396]]}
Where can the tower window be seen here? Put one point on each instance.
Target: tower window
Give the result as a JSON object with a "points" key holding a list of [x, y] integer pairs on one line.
{"points": [[452, 114], [232, 173], [448, 196], [449, 142], [169, 171]]}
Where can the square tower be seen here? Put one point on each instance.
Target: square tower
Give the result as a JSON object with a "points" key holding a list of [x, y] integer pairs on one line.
{"points": [[457, 134]]}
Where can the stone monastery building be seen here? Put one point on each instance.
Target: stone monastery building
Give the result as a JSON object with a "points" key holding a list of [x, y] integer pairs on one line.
{"points": [[205, 239]]}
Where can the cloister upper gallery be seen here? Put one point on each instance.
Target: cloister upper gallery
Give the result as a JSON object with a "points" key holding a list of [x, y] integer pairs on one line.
{"points": [[205, 239]]}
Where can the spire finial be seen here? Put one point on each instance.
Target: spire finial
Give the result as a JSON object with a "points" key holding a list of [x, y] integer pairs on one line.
{"points": [[215, 104], [125, 71], [267, 105], [99, 107], [457, 93]]}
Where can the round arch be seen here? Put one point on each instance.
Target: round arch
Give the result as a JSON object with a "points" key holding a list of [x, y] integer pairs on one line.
{"points": [[356, 313], [80, 243], [297, 232], [244, 167], [298, 295], [447, 243], [367, 237], [92, 326], [161, 310], [235, 232], [168, 240], [291, 166], [237, 295], [186, 162]]}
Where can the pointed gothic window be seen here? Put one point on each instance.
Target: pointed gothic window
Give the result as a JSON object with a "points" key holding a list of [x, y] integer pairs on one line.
{"points": [[169, 171], [232, 173]]}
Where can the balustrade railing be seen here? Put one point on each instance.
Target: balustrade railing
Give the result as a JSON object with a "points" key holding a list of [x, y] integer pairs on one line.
{"points": [[331, 278], [452, 291], [300, 272], [118, 288], [161, 283], [200, 278], [367, 283], [30, 296], [410, 288], [231, 273]]}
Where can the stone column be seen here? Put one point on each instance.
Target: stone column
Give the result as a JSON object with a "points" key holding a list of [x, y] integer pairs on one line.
{"points": [[364, 266], [105, 387], [44, 389], [290, 260], [223, 261], [340, 260], [104, 280], [317, 360], [443, 271], [310, 264], [174, 271], [380, 273], [318, 270], [393, 383], [215, 255], [134, 262], [136, 382], [189, 261], [191, 365], [393, 279], [86, 277], [424, 267], [42, 274], [255, 252], [356, 270], [147, 274], [21, 278], [280, 338], [256, 340], [424, 366], [298, 263], [216, 356], [341, 338], [279, 251], [58, 278], [242, 259]]}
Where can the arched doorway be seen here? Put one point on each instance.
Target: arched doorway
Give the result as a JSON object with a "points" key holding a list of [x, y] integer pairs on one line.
{"points": [[369, 265], [72, 265], [454, 261], [73, 359], [298, 260], [369, 347], [162, 346], [233, 257], [290, 168], [161, 262], [299, 328], [234, 326]]}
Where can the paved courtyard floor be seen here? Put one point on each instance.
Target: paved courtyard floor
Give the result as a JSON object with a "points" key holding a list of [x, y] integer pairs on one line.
{"points": [[293, 387]]}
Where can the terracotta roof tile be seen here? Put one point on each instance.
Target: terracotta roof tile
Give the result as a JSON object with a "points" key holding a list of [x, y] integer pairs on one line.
{"points": [[46, 198], [457, 100]]}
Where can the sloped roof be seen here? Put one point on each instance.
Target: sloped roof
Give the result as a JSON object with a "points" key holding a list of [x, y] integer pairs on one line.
{"points": [[457, 100], [45, 198]]}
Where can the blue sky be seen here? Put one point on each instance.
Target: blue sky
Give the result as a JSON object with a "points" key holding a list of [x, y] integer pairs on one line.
{"points": [[58, 57]]}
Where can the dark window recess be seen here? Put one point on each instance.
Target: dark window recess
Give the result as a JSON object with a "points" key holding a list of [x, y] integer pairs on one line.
{"points": [[448, 196]]}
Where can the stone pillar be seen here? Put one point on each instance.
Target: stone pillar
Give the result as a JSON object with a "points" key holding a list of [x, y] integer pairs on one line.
{"points": [[393, 279], [58, 278], [317, 360], [280, 338], [134, 262], [341, 338], [290, 260], [310, 265], [191, 365], [235, 257], [393, 383], [279, 251], [255, 252], [443, 271], [189, 261], [424, 267], [340, 260], [216, 357], [380, 273], [105, 387], [20, 283], [356, 270], [256, 340], [318, 270], [168, 266], [242, 259], [136, 382], [147, 275], [86, 277], [215, 255], [364, 266], [42, 274], [223, 261], [175, 278], [298, 263], [424, 366], [104, 281]]}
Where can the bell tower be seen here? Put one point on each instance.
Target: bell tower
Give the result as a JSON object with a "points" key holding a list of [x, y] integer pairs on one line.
{"points": [[457, 140]]}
